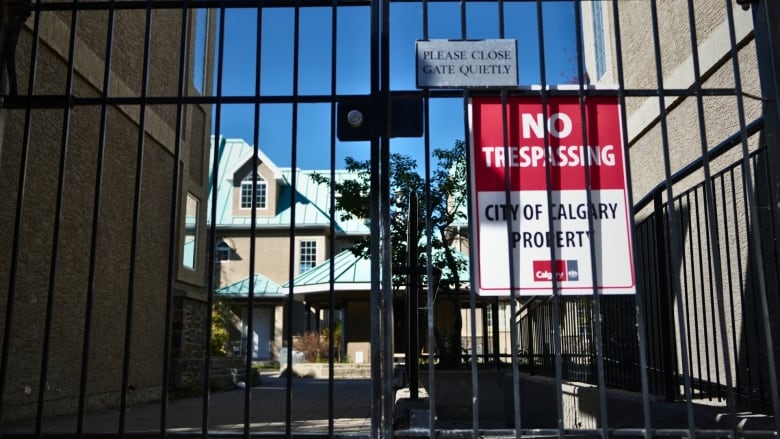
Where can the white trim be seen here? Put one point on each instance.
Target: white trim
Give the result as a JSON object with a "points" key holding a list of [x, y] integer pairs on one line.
{"points": [[248, 180], [324, 288], [262, 159]]}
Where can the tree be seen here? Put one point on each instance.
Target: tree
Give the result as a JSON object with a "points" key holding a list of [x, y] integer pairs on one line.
{"points": [[447, 199]]}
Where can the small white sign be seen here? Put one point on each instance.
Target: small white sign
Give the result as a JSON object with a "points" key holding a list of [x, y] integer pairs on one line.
{"points": [[466, 63]]}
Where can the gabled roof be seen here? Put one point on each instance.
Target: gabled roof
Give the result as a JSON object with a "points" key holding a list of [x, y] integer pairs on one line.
{"points": [[350, 272], [312, 200], [264, 287]]}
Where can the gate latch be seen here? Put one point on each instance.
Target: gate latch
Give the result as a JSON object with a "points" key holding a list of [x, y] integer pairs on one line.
{"points": [[363, 117]]}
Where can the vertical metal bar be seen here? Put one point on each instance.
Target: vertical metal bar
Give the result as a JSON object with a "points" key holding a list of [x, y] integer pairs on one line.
{"points": [[494, 310], [95, 224], [749, 278], [139, 165], [596, 312], [64, 145], [411, 298], [430, 286], [332, 215], [729, 264], [386, 244], [689, 295], [556, 329], [665, 308], [16, 245], [214, 183], [375, 232], [376, 382], [513, 329], [698, 262], [293, 216], [250, 340], [653, 304], [641, 294], [387, 293], [765, 18], [672, 214], [689, 290], [173, 226], [512, 281], [472, 300]]}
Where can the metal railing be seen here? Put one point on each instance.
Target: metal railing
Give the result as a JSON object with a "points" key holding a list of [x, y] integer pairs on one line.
{"points": [[706, 359]]}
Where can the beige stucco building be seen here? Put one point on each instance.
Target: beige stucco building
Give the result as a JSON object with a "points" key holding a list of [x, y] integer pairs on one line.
{"points": [[667, 130], [292, 235]]}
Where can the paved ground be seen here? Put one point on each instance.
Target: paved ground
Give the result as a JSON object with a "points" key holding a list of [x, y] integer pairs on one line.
{"points": [[352, 411]]}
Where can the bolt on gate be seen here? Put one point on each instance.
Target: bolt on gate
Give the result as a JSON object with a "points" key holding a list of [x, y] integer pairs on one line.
{"points": [[389, 218]]}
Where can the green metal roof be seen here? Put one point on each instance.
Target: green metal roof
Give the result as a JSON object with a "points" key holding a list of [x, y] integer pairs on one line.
{"points": [[312, 200], [264, 287], [350, 272]]}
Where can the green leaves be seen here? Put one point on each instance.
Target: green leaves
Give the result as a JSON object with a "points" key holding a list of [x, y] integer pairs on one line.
{"points": [[447, 197]]}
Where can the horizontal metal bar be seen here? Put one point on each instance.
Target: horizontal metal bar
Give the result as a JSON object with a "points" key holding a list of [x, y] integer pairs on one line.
{"points": [[190, 435], [181, 4], [63, 101]]}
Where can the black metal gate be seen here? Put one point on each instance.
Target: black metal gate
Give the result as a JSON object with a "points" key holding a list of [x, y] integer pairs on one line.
{"points": [[243, 218]]}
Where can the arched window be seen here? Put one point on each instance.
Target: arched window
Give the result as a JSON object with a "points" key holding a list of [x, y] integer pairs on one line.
{"points": [[246, 192], [223, 251]]}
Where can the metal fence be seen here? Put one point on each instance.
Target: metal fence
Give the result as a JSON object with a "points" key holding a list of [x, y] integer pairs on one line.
{"points": [[705, 358], [171, 172]]}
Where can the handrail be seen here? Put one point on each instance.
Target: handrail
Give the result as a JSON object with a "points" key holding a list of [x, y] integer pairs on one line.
{"points": [[752, 128], [530, 302]]}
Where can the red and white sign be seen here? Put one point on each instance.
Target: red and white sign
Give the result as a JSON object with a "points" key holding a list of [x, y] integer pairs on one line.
{"points": [[548, 208]]}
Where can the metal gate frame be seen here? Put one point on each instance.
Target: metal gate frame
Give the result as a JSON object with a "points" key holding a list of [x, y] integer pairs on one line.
{"points": [[379, 106]]}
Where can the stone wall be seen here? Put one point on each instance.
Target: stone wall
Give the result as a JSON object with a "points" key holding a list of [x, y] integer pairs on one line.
{"points": [[188, 347]]}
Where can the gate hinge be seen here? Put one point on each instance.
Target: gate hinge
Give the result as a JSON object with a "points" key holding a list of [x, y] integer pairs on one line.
{"points": [[13, 14]]}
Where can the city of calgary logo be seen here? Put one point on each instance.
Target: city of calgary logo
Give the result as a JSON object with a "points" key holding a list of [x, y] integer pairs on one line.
{"points": [[564, 271]]}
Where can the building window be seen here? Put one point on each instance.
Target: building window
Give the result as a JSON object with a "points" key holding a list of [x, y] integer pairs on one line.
{"points": [[199, 56], [190, 250], [246, 192], [223, 252], [598, 37], [308, 256]]}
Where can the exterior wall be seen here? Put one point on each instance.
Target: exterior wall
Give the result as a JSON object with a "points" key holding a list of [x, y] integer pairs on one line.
{"points": [[189, 331], [66, 292], [683, 134], [644, 125], [272, 256], [683, 138]]}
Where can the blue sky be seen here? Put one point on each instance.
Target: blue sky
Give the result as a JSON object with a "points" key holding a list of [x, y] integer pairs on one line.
{"points": [[352, 68]]}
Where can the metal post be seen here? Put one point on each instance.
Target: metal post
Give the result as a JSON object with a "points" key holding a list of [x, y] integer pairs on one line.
{"points": [[668, 347], [412, 356], [766, 20], [495, 328]]}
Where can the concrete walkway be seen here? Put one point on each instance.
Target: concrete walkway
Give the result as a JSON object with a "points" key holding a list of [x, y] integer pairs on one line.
{"points": [[309, 414]]}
